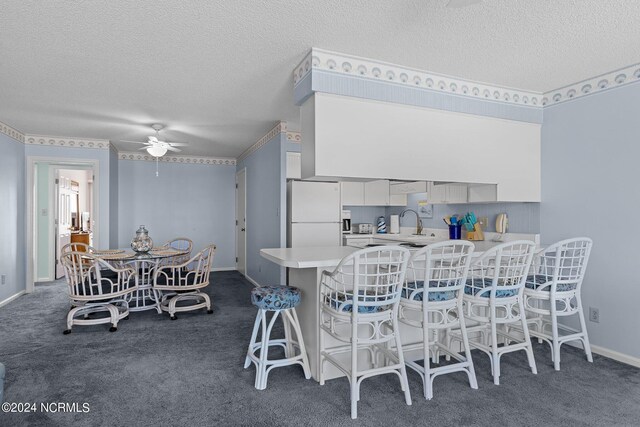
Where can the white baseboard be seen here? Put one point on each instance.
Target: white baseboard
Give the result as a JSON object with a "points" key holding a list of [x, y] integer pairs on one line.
{"points": [[223, 269], [11, 298], [256, 284], [620, 357]]}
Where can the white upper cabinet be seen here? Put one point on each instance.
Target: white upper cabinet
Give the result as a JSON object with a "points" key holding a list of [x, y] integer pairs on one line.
{"points": [[427, 145], [376, 193], [408, 187], [447, 193], [294, 165], [352, 193], [481, 193]]}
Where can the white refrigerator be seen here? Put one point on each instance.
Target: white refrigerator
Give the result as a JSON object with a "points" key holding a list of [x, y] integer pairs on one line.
{"points": [[313, 214]]}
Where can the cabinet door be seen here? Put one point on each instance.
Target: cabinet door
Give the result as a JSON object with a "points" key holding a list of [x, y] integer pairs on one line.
{"points": [[398, 200], [437, 193], [294, 166], [352, 193], [483, 193], [456, 193], [376, 193]]}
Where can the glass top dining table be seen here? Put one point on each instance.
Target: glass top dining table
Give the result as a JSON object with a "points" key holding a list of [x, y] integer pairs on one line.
{"points": [[144, 263]]}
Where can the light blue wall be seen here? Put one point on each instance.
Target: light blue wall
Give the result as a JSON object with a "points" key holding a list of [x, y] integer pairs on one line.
{"points": [[113, 198], [266, 208], [67, 153], [194, 201], [590, 154], [12, 216]]}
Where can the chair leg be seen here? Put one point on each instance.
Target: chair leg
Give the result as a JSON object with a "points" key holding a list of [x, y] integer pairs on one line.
{"points": [[113, 312], [404, 382], [305, 358], [583, 326], [261, 368], [495, 357], [471, 372], [288, 349], [426, 376], [527, 338], [354, 370], [254, 335], [555, 344]]}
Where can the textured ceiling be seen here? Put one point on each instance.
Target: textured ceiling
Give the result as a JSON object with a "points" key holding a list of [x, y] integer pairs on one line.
{"points": [[218, 73]]}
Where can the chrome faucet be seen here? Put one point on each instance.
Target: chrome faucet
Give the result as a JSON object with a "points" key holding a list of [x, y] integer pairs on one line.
{"points": [[418, 220]]}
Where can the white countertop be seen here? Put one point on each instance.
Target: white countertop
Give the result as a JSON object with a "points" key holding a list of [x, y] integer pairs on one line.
{"points": [[314, 257]]}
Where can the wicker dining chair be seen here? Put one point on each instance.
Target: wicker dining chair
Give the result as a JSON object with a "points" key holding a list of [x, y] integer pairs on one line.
{"points": [[359, 307], [494, 301], [184, 282], [552, 292], [181, 244], [432, 302], [91, 291]]}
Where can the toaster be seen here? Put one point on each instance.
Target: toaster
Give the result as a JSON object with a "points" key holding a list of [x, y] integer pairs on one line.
{"points": [[365, 228]]}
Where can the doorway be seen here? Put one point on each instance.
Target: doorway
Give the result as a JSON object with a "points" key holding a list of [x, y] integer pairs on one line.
{"points": [[62, 207], [241, 221]]}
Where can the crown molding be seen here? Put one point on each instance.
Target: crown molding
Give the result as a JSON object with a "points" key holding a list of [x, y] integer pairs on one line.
{"points": [[280, 127], [601, 83], [193, 160], [340, 63], [11, 132], [61, 141], [294, 136]]}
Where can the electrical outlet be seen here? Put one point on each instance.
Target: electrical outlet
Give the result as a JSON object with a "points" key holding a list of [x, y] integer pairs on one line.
{"points": [[3, 279], [594, 314], [484, 222]]}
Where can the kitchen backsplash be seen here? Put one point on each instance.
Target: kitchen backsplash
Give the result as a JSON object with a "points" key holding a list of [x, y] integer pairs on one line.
{"points": [[523, 217]]}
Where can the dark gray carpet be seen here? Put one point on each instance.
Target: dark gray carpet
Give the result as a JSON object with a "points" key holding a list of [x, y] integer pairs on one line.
{"points": [[154, 371]]}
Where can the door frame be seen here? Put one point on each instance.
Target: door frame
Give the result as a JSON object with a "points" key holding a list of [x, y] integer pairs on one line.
{"points": [[30, 205], [238, 220]]}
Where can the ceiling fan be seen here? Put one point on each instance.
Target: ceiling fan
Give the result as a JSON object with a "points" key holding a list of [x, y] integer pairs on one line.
{"points": [[155, 146]]}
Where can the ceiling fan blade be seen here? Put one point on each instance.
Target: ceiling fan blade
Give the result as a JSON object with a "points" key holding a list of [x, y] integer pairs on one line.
{"points": [[177, 144], [133, 142], [462, 3], [172, 149], [143, 148]]}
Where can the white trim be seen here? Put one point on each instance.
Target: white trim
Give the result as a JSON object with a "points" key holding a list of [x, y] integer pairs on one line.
{"points": [[64, 141], [278, 128], [253, 282], [345, 64], [238, 225], [601, 83], [30, 246], [615, 355], [11, 132], [193, 160], [11, 298], [224, 269]]}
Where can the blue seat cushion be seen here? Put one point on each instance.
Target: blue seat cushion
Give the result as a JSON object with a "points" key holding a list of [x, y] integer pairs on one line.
{"points": [[275, 298], [474, 286], [344, 303], [409, 288], [536, 281]]}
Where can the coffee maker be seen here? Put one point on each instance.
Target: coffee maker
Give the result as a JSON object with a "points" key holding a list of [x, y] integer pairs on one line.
{"points": [[346, 222]]}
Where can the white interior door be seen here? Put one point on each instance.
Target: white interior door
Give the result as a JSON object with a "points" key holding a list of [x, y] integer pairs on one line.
{"points": [[241, 221]]}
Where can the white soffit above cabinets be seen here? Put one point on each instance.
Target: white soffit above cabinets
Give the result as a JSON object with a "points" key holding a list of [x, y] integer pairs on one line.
{"points": [[218, 73]]}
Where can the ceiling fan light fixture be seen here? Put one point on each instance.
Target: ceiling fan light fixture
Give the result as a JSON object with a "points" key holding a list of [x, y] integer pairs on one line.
{"points": [[157, 150]]}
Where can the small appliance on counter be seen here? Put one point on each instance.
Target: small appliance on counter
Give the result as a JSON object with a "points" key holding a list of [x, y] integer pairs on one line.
{"points": [[346, 222], [364, 228], [394, 224], [382, 225]]}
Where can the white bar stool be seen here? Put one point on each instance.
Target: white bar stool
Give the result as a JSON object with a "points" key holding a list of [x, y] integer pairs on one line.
{"points": [[278, 300]]}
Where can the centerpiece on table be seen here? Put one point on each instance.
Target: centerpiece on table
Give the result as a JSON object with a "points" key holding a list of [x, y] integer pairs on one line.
{"points": [[142, 243]]}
